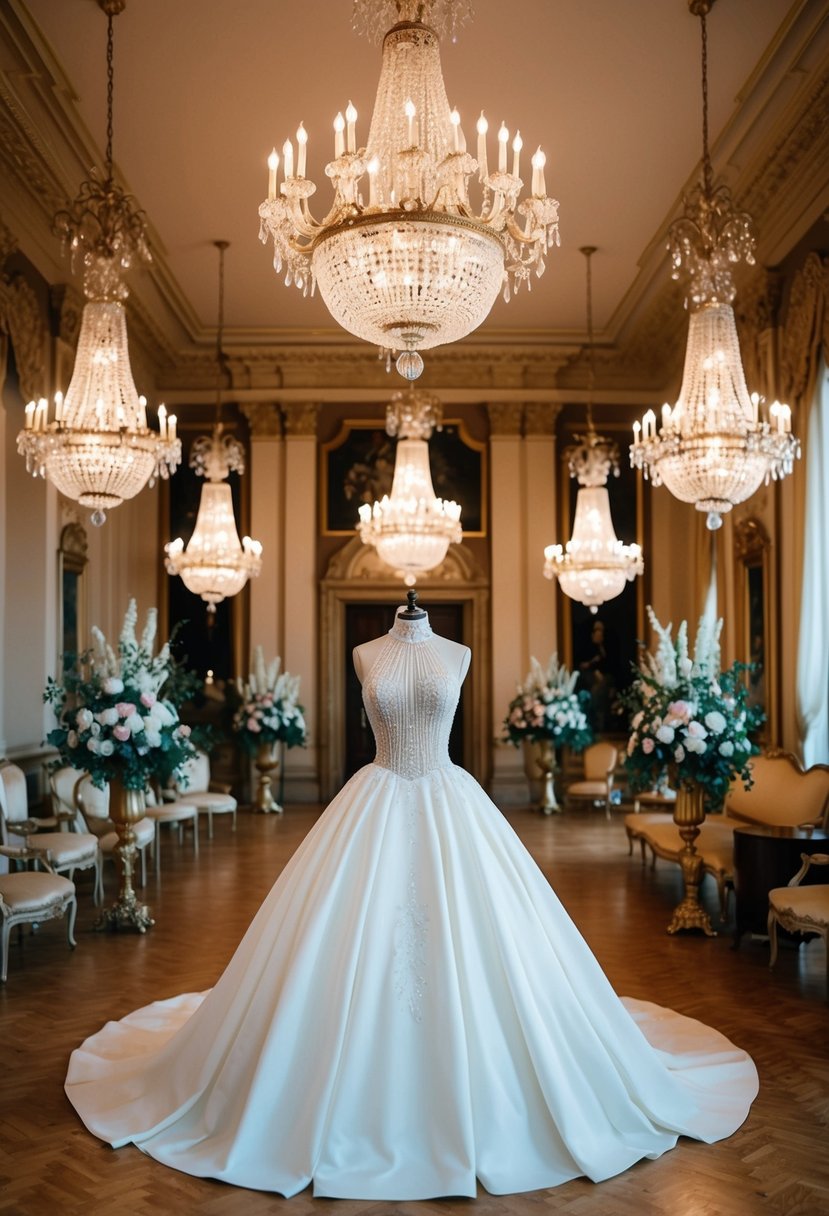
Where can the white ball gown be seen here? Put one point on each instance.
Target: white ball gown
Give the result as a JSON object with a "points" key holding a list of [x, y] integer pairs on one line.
{"points": [[411, 1008]]}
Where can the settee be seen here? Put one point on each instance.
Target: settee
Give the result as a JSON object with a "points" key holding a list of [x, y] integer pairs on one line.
{"points": [[782, 794]]}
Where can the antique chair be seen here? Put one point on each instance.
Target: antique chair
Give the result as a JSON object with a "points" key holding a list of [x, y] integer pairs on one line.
{"points": [[801, 909], [73, 792], [599, 765], [176, 814], [196, 787], [32, 896], [67, 851]]}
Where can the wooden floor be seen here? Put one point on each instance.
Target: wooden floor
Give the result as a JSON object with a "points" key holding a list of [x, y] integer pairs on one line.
{"points": [[777, 1163]]}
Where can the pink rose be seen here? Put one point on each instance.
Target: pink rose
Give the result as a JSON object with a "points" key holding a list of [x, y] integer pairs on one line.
{"points": [[125, 709], [648, 745], [184, 730], [121, 732], [253, 725], [148, 699], [680, 710]]}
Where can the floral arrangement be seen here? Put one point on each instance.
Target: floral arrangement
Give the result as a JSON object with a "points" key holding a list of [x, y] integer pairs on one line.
{"points": [[548, 707], [112, 720], [690, 720], [269, 711]]}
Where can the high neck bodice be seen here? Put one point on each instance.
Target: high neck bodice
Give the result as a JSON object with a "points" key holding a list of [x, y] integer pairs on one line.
{"points": [[410, 699], [411, 631]]}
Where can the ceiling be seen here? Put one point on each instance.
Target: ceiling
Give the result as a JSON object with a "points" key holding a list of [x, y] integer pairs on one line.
{"points": [[204, 88]]}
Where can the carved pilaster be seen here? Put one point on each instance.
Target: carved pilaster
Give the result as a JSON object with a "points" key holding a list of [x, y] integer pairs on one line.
{"points": [[8, 242], [300, 417], [806, 328], [67, 305], [540, 417], [505, 417], [264, 419], [21, 319]]}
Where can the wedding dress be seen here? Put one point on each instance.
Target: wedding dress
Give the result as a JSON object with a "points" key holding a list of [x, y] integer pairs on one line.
{"points": [[411, 1007]]}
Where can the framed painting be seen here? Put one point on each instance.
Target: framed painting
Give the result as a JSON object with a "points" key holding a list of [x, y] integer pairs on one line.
{"points": [[357, 467]]}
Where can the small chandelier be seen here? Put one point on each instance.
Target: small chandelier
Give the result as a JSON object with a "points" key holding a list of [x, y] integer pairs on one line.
{"points": [[594, 565], [215, 564], [411, 528], [97, 448], [403, 258], [713, 448]]}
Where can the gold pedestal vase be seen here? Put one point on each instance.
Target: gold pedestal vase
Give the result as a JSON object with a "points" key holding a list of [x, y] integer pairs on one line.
{"points": [[126, 807], [689, 813], [267, 766], [545, 759]]}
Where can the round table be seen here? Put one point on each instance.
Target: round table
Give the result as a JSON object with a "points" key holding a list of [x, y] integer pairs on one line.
{"points": [[767, 857]]}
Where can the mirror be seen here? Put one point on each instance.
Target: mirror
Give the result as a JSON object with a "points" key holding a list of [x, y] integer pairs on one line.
{"points": [[72, 559], [755, 624]]}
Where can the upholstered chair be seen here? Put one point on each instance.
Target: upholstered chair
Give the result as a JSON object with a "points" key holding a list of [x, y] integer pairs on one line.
{"points": [[175, 815], [801, 909], [195, 786], [65, 851], [599, 766], [28, 897]]}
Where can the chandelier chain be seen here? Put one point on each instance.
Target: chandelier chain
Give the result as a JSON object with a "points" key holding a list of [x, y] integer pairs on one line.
{"points": [[110, 92], [707, 171], [588, 251], [220, 327]]}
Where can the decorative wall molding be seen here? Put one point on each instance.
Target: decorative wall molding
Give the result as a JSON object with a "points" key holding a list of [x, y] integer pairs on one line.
{"points": [[21, 318], [806, 330], [505, 417], [300, 418], [540, 417], [264, 419]]}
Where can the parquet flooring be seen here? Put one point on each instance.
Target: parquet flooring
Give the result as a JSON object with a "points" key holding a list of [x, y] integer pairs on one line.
{"points": [[777, 1164]]}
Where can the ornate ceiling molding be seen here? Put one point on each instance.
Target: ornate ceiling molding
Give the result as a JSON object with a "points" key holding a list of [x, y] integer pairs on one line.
{"points": [[22, 319]]}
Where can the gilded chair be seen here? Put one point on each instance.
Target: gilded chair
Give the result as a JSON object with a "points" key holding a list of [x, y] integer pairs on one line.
{"points": [[73, 793], [801, 909], [196, 787], [599, 767], [67, 851], [28, 897]]}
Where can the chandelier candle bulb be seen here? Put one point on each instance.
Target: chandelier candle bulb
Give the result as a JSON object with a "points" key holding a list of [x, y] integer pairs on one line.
{"points": [[171, 427], [273, 165], [503, 140], [351, 132], [455, 120], [517, 145], [288, 159], [538, 162], [339, 140], [482, 127], [30, 416], [162, 421], [302, 140], [58, 407]]}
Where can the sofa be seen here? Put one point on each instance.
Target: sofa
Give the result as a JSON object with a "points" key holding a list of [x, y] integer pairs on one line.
{"points": [[783, 794]]}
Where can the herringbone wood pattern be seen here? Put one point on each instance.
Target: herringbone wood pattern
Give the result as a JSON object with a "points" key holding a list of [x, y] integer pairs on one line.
{"points": [[776, 1164]]}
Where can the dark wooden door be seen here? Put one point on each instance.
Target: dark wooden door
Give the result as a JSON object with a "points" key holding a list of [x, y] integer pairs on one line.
{"points": [[362, 623]]}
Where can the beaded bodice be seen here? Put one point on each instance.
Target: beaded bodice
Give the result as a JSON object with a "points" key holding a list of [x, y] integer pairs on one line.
{"points": [[410, 699]]}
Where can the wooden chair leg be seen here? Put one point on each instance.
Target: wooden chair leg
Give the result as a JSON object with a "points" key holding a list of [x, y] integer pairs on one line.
{"points": [[4, 952], [70, 927], [772, 927], [157, 848], [196, 834]]}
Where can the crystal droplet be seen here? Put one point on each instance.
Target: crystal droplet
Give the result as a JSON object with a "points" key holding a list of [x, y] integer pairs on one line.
{"points": [[97, 518], [409, 364], [713, 521]]}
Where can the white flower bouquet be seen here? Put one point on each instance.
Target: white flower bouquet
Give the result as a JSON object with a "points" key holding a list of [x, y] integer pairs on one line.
{"points": [[547, 707], [689, 720], [112, 720], [269, 711]]}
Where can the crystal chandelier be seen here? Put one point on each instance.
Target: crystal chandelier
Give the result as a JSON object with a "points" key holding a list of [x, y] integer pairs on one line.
{"points": [[215, 564], [97, 448], [404, 259], [713, 447], [594, 565], [411, 528]]}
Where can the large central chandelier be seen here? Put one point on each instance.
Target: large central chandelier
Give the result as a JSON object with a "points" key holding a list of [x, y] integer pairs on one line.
{"points": [[403, 258], [97, 448], [411, 528], [594, 565], [713, 448], [215, 564]]}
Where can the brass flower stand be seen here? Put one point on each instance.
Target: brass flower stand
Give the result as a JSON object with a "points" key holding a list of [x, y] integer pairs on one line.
{"points": [[267, 766], [689, 813], [546, 761], [126, 807]]}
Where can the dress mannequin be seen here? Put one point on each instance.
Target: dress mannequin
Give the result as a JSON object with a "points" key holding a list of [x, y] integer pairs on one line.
{"points": [[455, 656]]}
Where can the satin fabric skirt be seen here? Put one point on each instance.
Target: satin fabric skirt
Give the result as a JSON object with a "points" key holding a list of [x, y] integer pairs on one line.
{"points": [[411, 1009]]}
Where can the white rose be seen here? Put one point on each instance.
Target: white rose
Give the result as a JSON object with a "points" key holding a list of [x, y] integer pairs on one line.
{"points": [[95, 728], [108, 717], [106, 747], [726, 748], [715, 722], [134, 724], [112, 686], [72, 739], [679, 754], [163, 714], [84, 719], [152, 738], [693, 744], [696, 730], [665, 734], [94, 746]]}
